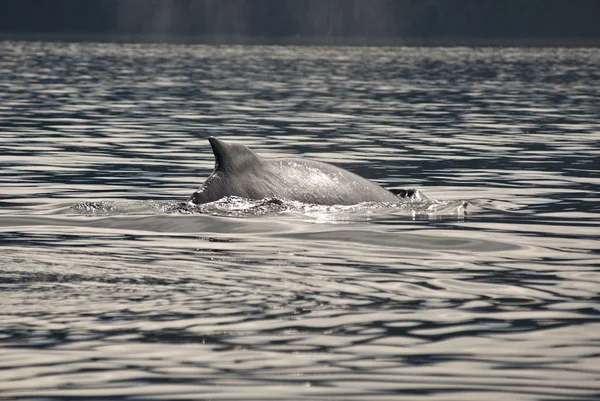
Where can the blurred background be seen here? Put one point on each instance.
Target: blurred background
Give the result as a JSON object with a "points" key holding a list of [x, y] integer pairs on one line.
{"points": [[373, 22]]}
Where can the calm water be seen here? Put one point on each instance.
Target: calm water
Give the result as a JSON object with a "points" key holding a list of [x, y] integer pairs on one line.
{"points": [[111, 289]]}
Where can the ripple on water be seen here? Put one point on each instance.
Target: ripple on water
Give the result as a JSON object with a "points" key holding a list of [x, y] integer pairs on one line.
{"points": [[113, 288]]}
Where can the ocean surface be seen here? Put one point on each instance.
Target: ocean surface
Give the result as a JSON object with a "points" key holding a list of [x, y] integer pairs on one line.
{"points": [[113, 288]]}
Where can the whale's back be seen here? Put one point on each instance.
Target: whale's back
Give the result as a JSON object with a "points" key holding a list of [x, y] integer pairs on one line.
{"points": [[240, 172]]}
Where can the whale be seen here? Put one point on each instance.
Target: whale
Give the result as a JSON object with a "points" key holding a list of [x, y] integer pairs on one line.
{"points": [[242, 173]]}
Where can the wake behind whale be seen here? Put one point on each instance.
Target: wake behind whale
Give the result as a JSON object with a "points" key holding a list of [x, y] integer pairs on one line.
{"points": [[233, 206]]}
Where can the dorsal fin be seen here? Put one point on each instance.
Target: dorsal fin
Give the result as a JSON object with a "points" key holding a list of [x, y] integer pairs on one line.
{"points": [[231, 156]]}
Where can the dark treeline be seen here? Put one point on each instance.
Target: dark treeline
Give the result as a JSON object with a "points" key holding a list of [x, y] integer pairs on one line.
{"points": [[306, 20]]}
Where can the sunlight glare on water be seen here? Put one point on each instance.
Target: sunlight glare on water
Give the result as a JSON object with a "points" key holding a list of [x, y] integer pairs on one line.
{"points": [[113, 288]]}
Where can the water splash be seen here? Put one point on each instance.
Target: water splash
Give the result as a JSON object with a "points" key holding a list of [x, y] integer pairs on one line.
{"points": [[234, 206]]}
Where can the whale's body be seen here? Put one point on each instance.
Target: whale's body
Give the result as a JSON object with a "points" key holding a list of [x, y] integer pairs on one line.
{"points": [[241, 172]]}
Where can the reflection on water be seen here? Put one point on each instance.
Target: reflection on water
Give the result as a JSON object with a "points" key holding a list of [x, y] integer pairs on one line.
{"points": [[112, 287]]}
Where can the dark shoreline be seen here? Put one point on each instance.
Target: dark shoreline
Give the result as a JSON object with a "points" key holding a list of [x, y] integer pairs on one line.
{"points": [[447, 41]]}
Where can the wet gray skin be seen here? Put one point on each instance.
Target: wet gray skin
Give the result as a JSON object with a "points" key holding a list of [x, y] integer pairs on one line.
{"points": [[241, 172]]}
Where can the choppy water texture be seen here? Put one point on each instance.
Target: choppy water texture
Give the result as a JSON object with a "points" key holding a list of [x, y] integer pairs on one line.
{"points": [[112, 289]]}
